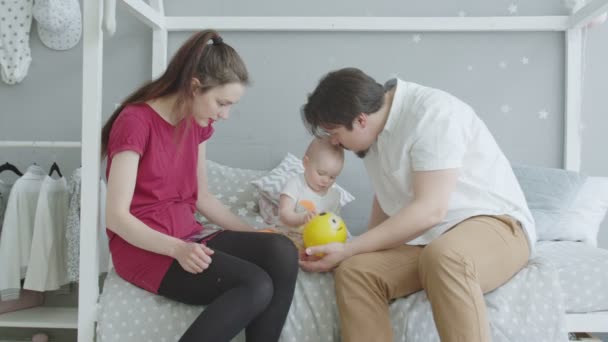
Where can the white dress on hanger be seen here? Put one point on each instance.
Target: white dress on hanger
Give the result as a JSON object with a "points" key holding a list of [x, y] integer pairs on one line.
{"points": [[17, 231], [47, 267]]}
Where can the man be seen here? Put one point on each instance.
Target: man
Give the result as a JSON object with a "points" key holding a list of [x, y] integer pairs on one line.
{"points": [[448, 215]]}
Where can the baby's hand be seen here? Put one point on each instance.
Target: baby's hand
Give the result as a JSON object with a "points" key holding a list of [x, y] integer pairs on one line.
{"points": [[309, 215]]}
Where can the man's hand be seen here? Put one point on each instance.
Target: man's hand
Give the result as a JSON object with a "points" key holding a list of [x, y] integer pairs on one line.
{"points": [[323, 258]]}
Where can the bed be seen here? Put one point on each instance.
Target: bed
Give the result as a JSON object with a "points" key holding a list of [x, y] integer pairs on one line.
{"points": [[564, 279], [572, 308]]}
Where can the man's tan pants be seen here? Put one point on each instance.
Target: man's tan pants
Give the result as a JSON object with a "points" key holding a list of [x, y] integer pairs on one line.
{"points": [[456, 269]]}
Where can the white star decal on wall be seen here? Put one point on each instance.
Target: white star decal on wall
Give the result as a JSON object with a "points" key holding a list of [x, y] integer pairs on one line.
{"points": [[543, 114], [242, 212], [505, 108], [512, 8], [525, 60], [502, 65], [462, 13], [416, 38], [470, 67]]}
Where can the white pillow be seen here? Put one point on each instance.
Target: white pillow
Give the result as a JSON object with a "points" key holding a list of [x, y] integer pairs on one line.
{"points": [[566, 205], [271, 185], [583, 218]]}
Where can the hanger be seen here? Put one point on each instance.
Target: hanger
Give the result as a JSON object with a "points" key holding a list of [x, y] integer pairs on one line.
{"points": [[34, 153], [10, 167], [55, 167]]}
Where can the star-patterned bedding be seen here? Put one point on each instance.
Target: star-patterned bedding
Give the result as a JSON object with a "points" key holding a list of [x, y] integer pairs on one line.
{"points": [[232, 187], [530, 307], [582, 272]]}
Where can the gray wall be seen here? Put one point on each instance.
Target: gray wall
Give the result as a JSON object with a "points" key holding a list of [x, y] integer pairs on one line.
{"points": [[509, 78]]}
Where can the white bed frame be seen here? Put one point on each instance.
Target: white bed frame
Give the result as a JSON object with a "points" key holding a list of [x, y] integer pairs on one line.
{"points": [[153, 15]]}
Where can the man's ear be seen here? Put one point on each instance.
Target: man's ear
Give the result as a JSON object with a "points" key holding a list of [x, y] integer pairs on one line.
{"points": [[362, 120]]}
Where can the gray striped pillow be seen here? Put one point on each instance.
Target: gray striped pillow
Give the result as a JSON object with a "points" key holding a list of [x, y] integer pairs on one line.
{"points": [[271, 185]]}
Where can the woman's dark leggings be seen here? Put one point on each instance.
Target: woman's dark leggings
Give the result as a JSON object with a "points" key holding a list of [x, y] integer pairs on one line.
{"points": [[249, 284]]}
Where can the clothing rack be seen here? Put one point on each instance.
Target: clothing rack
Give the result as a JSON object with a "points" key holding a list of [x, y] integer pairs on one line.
{"points": [[41, 317], [153, 16], [36, 144]]}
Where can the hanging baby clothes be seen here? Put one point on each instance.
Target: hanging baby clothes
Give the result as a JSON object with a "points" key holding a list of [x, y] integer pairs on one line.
{"points": [[72, 233], [5, 190], [17, 231], [15, 23], [73, 228], [46, 270], [59, 23]]}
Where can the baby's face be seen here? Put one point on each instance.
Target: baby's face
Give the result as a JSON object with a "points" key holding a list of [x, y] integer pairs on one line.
{"points": [[321, 172]]}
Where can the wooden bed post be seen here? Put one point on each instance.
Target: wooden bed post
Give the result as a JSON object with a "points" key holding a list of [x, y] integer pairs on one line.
{"points": [[573, 105], [92, 71], [159, 43], [574, 80]]}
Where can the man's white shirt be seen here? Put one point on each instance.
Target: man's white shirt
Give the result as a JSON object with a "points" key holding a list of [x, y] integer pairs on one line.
{"points": [[428, 129]]}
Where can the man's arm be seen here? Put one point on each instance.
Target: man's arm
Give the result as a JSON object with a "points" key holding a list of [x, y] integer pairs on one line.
{"points": [[432, 191], [377, 216]]}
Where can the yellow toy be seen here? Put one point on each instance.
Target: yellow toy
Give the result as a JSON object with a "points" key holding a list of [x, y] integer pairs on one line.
{"points": [[324, 228]]}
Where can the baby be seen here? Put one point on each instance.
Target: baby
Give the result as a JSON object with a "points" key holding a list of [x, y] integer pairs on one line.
{"points": [[313, 192]]}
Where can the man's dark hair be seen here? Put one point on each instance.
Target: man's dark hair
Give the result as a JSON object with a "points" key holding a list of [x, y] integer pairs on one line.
{"points": [[340, 96]]}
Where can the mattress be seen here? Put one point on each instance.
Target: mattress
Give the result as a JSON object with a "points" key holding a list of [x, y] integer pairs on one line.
{"points": [[582, 272]]}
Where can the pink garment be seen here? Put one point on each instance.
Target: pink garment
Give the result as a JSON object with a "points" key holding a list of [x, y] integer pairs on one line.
{"points": [[165, 191], [27, 299]]}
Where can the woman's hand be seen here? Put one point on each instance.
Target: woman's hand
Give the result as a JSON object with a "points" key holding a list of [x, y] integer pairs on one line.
{"points": [[193, 257]]}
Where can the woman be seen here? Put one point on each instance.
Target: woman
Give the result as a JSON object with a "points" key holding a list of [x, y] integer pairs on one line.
{"points": [[155, 144]]}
